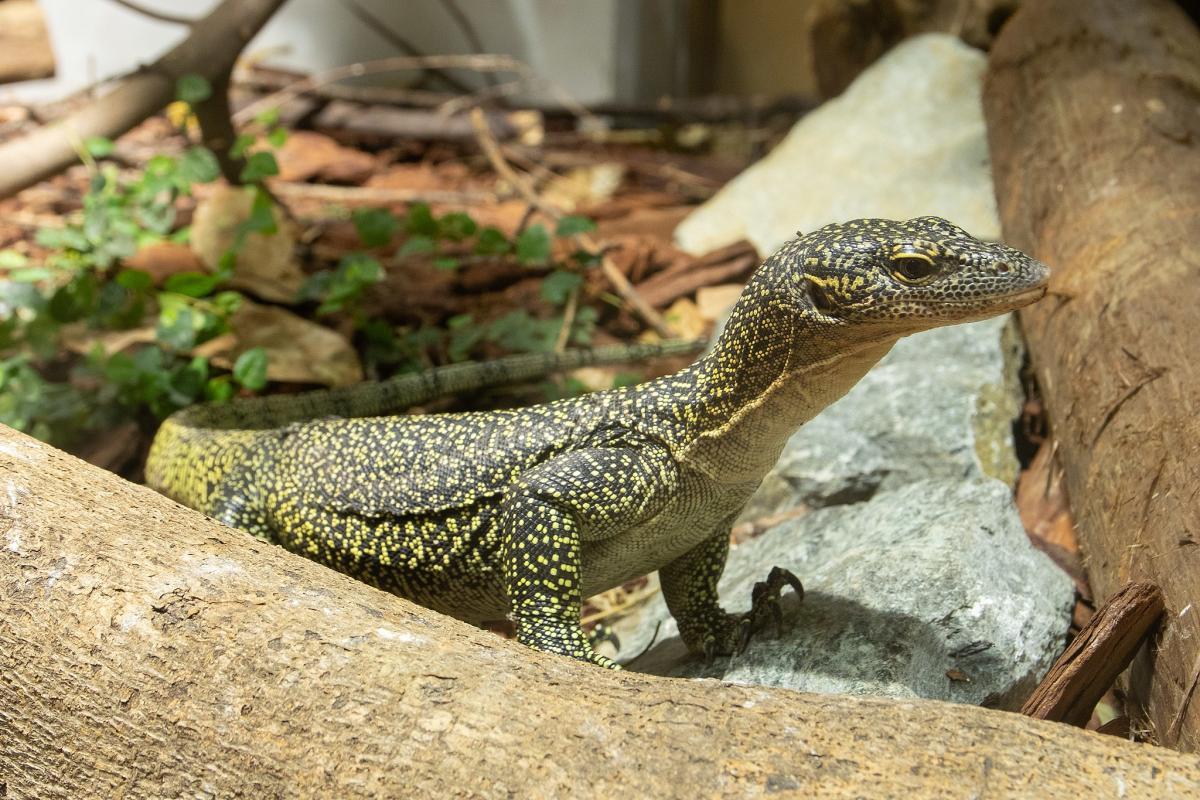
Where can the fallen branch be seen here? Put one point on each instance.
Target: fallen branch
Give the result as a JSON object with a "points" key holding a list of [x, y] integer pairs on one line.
{"points": [[479, 63], [151, 13], [147, 651], [357, 195], [210, 50]]}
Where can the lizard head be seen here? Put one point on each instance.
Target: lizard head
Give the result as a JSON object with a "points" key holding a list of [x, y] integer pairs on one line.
{"points": [[902, 277]]}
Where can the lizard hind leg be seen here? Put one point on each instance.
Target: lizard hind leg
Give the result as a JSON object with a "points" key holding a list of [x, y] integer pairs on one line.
{"points": [[690, 589]]}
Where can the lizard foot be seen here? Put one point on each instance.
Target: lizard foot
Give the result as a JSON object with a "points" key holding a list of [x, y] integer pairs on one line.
{"points": [[550, 634], [764, 604]]}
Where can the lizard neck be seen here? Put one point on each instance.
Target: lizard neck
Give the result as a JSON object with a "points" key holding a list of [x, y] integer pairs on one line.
{"points": [[773, 369]]}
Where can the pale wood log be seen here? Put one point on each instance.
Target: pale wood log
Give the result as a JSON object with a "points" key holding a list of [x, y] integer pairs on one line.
{"points": [[146, 651], [1093, 110]]}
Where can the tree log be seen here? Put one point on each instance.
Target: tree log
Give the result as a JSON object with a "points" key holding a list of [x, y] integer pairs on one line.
{"points": [[147, 651], [210, 50], [1093, 111]]}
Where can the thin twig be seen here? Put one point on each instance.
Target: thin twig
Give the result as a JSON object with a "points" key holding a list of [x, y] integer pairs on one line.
{"points": [[468, 30], [480, 63], [382, 29], [564, 332], [491, 149], [459, 104], [152, 14]]}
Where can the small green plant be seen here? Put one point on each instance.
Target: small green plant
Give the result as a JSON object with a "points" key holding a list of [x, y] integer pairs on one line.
{"points": [[82, 291]]}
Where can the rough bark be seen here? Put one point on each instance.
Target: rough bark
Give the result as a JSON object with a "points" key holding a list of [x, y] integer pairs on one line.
{"points": [[1093, 112], [210, 50], [146, 651]]}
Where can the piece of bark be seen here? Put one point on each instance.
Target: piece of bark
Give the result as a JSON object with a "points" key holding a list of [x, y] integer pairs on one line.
{"points": [[25, 52], [209, 50], [1094, 658], [732, 263], [1094, 129], [147, 651]]}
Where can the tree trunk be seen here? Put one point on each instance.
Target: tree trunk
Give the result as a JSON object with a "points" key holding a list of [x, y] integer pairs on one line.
{"points": [[146, 651], [1093, 113], [210, 51]]}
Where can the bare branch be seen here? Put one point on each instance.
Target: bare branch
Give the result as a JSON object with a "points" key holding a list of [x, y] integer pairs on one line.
{"points": [[152, 14]]}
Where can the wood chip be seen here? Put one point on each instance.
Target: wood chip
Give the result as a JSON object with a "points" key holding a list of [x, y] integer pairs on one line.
{"points": [[1092, 661]]}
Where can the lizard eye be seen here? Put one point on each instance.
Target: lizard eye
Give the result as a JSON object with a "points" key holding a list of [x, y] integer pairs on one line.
{"points": [[913, 267]]}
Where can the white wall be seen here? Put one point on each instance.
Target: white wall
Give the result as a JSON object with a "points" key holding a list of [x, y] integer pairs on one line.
{"points": [[570, 41]]}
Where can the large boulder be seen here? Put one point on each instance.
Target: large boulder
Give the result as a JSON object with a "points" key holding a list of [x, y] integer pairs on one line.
{"points": [[907, 138], [927, 590]]}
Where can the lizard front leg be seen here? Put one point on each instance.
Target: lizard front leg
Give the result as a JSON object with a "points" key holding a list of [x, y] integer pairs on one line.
{"points": [[584, 495], [689, 585]]}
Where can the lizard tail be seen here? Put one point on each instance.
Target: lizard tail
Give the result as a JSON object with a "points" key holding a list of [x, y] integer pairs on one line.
{"points": [[402, 391], [195, 448]]}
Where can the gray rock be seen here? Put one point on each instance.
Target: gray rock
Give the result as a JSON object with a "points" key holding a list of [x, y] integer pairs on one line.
{"points": [[934, 576], [940, 404], [907, 138]]}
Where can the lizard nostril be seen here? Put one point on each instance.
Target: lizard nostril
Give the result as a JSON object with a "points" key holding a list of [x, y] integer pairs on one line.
{"points": [[1003, 266]]}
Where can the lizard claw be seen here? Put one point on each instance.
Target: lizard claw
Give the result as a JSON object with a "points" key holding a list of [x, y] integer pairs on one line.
{"points": [[765, 600]]}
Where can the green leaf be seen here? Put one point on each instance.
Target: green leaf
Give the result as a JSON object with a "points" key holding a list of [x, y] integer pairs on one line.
{"points": [[492, 242], [268, 117], [74, 300], [176, 328], [30, 274], [135, 280], [192, 284], [198, 165], [456, 226], [277, 137], [98, 146], [226, 303], [241, 144], [11, 259], [574, 225], [261, 219], [250, 369], [420, 221], [375, 226], [533, 246], [446, 263], [558, 285], [193, 89], [416, 244], [218, 389], [62, 239], [259, 166]]}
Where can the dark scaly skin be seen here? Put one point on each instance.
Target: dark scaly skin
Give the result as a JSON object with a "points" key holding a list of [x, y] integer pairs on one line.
{"points": [[526, 512]]}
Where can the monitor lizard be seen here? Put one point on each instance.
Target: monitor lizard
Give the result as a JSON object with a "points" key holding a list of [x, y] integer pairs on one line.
{"points": [[526, 512]]}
